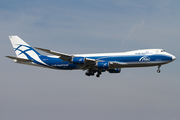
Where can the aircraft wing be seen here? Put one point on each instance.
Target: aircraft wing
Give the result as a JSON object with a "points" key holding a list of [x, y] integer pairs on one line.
{"points": [[90, 63], [65, 57]]}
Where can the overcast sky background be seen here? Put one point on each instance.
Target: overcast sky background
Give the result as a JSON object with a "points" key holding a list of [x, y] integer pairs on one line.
{"points": [[92, 26]]}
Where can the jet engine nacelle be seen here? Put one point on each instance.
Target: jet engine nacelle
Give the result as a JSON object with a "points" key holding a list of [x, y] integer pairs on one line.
{"points": [[79, 60], [116, 70], [103, 65]]}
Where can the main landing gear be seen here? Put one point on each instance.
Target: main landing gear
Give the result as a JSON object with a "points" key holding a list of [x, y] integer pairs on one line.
{"points": [[98, 74], [92, 72], [159, 69]]}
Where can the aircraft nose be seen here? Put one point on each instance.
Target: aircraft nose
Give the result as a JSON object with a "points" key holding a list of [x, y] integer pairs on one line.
{"points": [[173, 57]]}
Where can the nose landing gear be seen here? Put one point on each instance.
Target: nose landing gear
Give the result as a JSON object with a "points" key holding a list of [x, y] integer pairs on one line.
{"points": [[159, 69]]}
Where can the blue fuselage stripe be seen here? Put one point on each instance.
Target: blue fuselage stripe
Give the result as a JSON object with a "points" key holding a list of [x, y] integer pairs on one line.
{"points": [[60, 64]]}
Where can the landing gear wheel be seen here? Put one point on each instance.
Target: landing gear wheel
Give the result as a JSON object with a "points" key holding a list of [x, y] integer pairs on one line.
{"points": [[87, 74], [90, 73], [159, 69], [97, 75]]}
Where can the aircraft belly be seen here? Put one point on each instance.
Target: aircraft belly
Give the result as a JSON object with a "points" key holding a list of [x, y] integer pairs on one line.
{"points": [[144, 64]]}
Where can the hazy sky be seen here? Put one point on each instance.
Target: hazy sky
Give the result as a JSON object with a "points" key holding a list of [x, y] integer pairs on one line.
{"points": [[91, 26]]}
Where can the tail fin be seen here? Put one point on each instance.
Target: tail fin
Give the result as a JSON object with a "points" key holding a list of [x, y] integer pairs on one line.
{"points": [[22, 49]]}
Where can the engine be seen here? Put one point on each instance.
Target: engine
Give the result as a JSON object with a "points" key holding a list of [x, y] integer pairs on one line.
{"points": [[116, 70], [103, 65], [79, 60]]}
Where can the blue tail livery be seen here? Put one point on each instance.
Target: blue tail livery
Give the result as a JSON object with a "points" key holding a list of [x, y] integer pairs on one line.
{"points": [[92, 63]]}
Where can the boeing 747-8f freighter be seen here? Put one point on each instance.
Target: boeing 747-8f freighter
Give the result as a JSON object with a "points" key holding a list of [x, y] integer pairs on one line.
{"points": [[92, 63]]}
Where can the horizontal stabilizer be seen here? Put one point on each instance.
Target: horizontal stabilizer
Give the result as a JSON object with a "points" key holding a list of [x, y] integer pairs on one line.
{"points": [[19, 59]]}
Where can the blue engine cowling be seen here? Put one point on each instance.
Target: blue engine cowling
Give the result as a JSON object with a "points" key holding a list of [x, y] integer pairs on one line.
{"points": [[103, 65], [79, 60], [116, 70]]}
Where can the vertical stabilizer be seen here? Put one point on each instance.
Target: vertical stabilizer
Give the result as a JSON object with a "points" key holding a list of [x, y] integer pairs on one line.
{"points": [[22, 49]]}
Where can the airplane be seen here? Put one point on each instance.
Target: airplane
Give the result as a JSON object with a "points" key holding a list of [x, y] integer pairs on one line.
{"points": [[92, 63]]}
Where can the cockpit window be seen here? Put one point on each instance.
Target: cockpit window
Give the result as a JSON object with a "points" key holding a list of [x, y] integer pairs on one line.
{"points": [[162, 50]]}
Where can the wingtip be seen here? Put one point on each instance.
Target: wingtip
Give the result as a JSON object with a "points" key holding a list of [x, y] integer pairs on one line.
{"points": [[13, 36]]}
